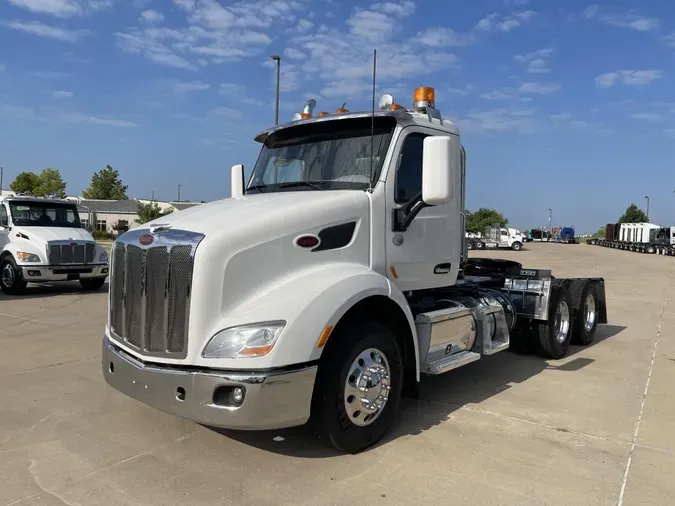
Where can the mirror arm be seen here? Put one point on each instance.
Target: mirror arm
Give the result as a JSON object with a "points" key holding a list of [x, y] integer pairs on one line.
{"points": [[404, 215]]}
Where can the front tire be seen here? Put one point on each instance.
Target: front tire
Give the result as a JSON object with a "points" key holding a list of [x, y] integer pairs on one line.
{"points": [[11, 281], [516, 246], [92, 283], [359, 386], [480, 245]]}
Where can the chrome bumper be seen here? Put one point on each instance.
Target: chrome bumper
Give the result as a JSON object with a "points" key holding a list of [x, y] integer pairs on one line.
{"points": [[39, 273], [272, 400]]}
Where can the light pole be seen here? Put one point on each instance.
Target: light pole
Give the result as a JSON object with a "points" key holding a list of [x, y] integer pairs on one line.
{"points": [[550, 214], [277, 59], [1, 171], [179, 192], [153, 195], [647, 208]]}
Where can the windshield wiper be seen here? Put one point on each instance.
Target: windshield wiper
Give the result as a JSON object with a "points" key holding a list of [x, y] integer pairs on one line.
{"points": [[259, 187], [295, 184]]}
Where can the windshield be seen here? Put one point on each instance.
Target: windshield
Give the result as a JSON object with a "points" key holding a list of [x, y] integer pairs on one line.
{"points": [[44, 214], [327, 155]]}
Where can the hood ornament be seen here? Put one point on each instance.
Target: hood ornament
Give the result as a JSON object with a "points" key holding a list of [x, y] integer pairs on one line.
{"points": [[158, 227]]}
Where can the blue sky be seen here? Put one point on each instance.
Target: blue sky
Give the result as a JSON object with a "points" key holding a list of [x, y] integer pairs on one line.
{"points": [[561, 104]]}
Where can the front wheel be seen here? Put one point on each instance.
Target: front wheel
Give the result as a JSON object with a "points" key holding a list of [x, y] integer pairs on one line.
{"points": [[359, 386], [11, 281], [516, 246], [92, 283], [480, 245]]}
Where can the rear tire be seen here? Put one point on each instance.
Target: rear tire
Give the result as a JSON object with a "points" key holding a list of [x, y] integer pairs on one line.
{"points": [[92, 283], [586, 318], [555, 334], [366, 354], [11, 281]]}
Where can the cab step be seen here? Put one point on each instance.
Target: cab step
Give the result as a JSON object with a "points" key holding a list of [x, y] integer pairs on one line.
{"points": [[447, 363]]}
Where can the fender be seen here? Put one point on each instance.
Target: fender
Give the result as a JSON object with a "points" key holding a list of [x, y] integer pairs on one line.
{"points": [[18, 244], [309, 301]]}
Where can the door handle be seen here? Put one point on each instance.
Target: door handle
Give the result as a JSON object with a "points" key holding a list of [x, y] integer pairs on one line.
{"points": [[442, 268]]}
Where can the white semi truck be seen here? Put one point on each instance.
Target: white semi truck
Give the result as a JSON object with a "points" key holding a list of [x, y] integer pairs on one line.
{"points": [[42, 241], [640, 237], [326, 297]]}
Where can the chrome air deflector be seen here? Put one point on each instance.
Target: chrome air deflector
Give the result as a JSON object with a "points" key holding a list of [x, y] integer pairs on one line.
{"points": [[150, 288]]}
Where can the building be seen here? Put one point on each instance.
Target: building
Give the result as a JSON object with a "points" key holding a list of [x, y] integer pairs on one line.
{"points": [[113, 216]]}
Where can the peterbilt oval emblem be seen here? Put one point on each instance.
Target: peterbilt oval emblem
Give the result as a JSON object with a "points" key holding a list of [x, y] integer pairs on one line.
{"points": [[146, 239], [397, 240]]}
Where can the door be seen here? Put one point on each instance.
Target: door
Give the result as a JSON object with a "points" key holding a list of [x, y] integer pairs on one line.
{"points": [[4, 227], [428, 253]]}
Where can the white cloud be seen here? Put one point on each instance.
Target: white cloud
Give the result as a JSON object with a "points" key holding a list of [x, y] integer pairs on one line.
{"points": [[536, 61], [498, 120], [304, 25], [650, 117], [495, 21], [516, 2], [62, 8], [628, 20], [42, 30], [399, 9], [539, 88], [566, 120], [563, 116], [96, 120], [150, 16], [58, 94], [294, 54], [466, 90], [669, 40], [628, 78], [189, 86], [443, 37]]}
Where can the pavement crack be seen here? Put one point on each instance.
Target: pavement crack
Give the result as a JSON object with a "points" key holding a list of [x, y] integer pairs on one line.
{"points": [[48, 366], [644, 394]]}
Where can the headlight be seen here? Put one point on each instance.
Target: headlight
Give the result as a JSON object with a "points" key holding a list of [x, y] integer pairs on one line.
{"points": [[103, 257], [27, 257], [253, 340]]}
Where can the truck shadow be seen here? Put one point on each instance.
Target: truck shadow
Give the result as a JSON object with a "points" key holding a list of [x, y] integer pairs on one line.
{"points": [[439, 397], [52, 289]]}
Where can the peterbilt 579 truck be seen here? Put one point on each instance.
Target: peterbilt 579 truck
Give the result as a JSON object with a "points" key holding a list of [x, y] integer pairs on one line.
{"points": [[324, 289]]}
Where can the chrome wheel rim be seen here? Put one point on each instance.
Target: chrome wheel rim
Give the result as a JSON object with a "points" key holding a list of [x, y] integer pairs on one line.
{"points": [[367, 387], [7, 275], [562, 321], [589, 312]]}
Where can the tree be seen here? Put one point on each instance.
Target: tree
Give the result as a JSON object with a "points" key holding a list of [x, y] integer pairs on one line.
{"points": [[25, 182], [149, 212], [478, 221], [633, 214], [51, 183], [600, 232], [106, 185]]}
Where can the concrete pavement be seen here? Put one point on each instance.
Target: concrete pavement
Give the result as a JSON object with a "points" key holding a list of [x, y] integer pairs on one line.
{"points": [[594, 428]]}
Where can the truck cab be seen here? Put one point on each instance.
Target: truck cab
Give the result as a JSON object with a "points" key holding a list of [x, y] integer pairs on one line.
{"points": [[327, 285], [42, 241]]}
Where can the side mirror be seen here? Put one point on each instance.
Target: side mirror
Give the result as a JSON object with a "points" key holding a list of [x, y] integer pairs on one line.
{"points": [[237, 181], [437, 161]]}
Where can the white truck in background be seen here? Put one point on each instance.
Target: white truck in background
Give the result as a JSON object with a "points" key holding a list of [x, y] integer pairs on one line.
{"points": [[42, 241], [503, 237], [326, 297]]}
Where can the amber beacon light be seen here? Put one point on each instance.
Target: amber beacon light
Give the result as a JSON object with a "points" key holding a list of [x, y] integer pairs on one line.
{"points": [[424, 96]]}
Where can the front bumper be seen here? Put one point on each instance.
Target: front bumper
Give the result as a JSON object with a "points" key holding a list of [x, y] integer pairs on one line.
{"points": [[272, 400], [40, 273]]}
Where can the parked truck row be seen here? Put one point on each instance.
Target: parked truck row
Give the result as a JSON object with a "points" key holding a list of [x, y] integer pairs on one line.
{"points": [[640, 237], [325, 288]]}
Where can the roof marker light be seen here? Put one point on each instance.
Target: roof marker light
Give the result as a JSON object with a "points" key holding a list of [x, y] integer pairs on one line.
{"points": [[386, 101], [323, 113]]}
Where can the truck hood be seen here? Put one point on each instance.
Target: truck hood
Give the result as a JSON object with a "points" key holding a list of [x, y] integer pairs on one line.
{"points": [[55, 233], [277, 213]]}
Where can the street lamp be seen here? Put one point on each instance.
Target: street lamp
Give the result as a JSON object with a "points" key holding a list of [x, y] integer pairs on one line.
{"points": [[179, 192], [277, 59], [647, 208], [1, 171], [550, 214]]}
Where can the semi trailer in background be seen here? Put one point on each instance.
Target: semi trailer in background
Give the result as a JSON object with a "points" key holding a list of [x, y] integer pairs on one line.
{"points": [[639, 237]]}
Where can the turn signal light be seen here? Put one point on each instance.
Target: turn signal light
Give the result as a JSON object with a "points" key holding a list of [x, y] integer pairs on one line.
{"points": [[395, 107]]}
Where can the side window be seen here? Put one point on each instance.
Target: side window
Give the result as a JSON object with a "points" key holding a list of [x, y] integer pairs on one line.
{"points": [[409, 173], [4, 219]]}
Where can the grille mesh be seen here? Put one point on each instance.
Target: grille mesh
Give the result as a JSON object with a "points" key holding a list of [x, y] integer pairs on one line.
{"points": [[150, 296]]}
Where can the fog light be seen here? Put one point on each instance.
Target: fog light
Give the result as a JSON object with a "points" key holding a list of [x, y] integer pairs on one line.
{"points": [[237, 395], [104, 271]]}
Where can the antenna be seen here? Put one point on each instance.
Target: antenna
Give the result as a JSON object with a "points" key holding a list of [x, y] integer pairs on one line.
{"points": [[372, 126]]}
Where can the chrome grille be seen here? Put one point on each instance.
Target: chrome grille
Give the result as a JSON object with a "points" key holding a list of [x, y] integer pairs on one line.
{"points": [[66, 254], [150, 291]]}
